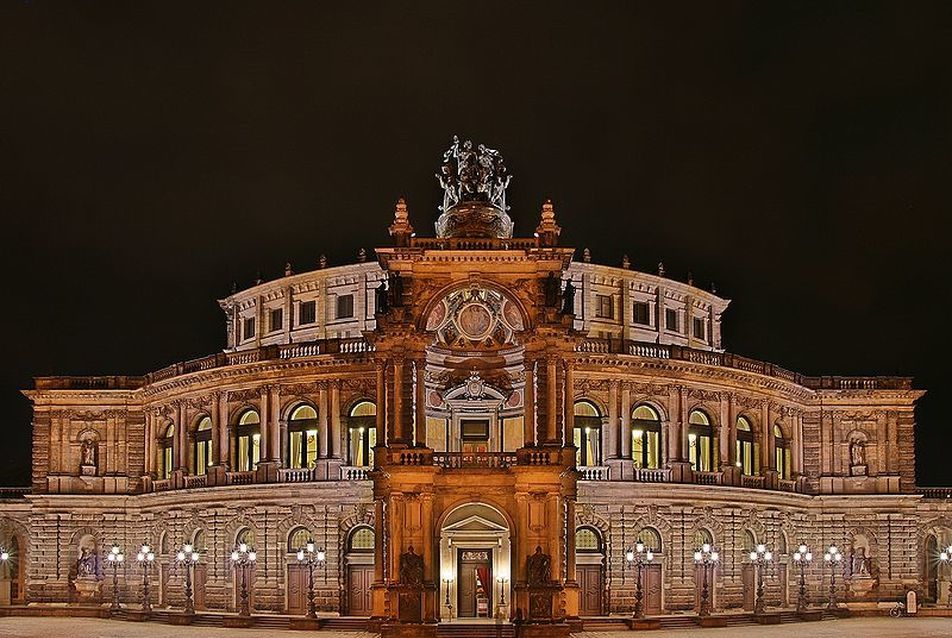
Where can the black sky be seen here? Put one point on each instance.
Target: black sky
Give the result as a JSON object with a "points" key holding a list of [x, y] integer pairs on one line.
{"points": [[795, 154]]}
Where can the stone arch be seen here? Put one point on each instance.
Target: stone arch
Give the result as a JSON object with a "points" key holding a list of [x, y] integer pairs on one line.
{"points": [[293, 403], [652, 403], [477, 282]]}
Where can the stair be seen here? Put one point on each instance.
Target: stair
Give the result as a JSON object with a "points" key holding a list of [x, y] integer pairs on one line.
{"points": [[345, 623], [678, 622], [475, 630], [604, 623]]}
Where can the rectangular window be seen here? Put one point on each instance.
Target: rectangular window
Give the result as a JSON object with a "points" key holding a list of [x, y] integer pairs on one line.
{"points": [[308, 313], [249, 328], [277, 319], [640, 313], [671, 320], [345, 306], [604, 307], [474, 428], [699, 331]]}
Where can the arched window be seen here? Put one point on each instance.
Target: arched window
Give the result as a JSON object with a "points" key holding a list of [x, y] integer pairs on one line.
{"points": [[646, 437], [248, 435], [588, 428], [700, 441], [362, 539], [651, 539], [781, 452], [164, 550], [745, 452], [302, 436], [298, 539], [587, 540], [703, 537], [362, 434], [167, 443], [245, 535], [202, 458], [750, 543], [198, 540], [782, 543]]}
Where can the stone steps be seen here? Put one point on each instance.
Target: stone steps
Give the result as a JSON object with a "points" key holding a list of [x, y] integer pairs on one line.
{"points": [[475, 630]]}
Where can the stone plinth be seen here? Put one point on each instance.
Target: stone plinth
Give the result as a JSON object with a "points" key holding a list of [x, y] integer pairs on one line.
{"points": [[181, 619], [88, 589], [711, 621], [543, 630], [137, 615], [408, 630], [644, 623], [810, 615], [237, 622], [771, 618], [305, 624]]}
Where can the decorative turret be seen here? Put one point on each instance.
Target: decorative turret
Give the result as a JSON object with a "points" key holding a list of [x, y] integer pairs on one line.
{"points": [[400, 229], [474, 182], [548, 230]]}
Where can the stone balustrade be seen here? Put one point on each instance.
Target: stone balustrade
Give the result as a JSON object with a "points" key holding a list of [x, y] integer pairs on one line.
{"points": [[454, 460]]}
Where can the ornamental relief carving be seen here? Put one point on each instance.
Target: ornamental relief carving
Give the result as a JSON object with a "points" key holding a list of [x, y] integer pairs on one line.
{"points": [[240, 396]]}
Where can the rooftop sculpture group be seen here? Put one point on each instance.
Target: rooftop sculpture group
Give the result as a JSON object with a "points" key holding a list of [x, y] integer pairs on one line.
{"points": [[474, 180]]}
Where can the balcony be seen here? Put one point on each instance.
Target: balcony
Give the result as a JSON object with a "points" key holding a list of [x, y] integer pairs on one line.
{"points": [[474, 460], [943, 493]]}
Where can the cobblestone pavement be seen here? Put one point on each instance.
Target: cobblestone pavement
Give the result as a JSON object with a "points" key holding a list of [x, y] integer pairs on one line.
{"points": [[31, 627], [848, 628]]}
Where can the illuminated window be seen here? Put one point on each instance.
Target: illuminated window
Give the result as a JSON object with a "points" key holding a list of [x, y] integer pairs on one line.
{"points": [[248, 435], [361, 540], [641, 313], [651, 539], [604, 308], [245, 535], [198, 540], [298, 539], [202, 458], [700, 441], [307, 313], [362, 434], [587, 540], [745, 452], [168, 448], [302, 437], [703, 537], [588, 428], [345, 306], [782, 453], [646, 437], [750, 543]]}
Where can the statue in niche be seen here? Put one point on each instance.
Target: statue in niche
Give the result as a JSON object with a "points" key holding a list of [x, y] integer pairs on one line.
{"points": [[860, 563], [382, 299], [857, 456], [87, 456], [539, 568], [551, 291], [396, 290], [568, 299], [411, 568]]}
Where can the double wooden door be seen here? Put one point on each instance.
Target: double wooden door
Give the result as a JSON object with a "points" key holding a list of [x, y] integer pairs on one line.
{"points": [[652, 590], [475, 585], [359, 580], [591, 588], [297, 590], [750, 587], [199, 576]]}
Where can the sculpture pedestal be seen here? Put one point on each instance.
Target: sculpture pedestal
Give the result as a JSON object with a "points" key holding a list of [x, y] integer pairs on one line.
{"points": [[88, 590], [407, 630], [305, 624], [862, 587]]}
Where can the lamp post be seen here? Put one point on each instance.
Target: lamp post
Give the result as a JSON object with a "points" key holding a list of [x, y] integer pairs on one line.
{"points": [[706, 558], [188, 558], [801, 559], [115, 558], [243, 557], [502, 590], [833, 557], [638, 558], [145, 557], [312, 556], [946, 557], [760, 558], [447, 583]]}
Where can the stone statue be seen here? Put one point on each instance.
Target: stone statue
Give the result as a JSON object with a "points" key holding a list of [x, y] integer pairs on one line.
{"points": [[411, 568], [88, 453], [86, 564], [474, 181], [568, 299], [860, 563], [539, 568], [551, 291], [857, 452], [395, 285], [381, 297]]}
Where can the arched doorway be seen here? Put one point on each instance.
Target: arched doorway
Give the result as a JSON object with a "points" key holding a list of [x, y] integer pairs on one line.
{"points": [[474, 562], [359, 563], [12, 576], [590, 570], [931, 569]]}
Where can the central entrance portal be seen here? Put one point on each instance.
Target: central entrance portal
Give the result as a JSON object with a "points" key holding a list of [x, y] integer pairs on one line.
{"points": [[474, 560]]}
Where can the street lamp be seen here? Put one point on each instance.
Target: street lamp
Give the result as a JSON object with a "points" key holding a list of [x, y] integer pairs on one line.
{"points": [[801, 559], [188, 558], [946, 557], [145, 557], [706, 558], [834, 558], [312, 556], [638, 558], [448, 582], [243, 558], [115, 558], [760, 558], [502, 590]]}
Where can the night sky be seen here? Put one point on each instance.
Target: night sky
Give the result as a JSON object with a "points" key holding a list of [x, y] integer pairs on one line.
{"points": [[798, 155]]}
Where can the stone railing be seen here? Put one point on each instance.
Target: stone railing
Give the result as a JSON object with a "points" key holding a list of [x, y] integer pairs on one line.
{"points": [[10, 493], [728, 360], [350, 473], [161, 485], [787, 485], [752, 481], [241, 478], [411, 457], [540, 456], [944, 493], [593, 473], [474, 460], [295, 475], [196, 481], [652, 475], [707, 478], [471, 243]]}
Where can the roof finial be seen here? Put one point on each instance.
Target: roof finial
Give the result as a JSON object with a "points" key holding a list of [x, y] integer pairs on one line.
{"points": [[625, 262], [690, 278], [322, 262], [400, 229], [587, 256], [362, 255], [287, 269], [548, 230], [258, 278], [661, 269]]}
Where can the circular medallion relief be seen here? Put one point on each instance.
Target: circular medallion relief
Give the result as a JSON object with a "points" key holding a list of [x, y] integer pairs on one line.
{"points": [[475, 321]]}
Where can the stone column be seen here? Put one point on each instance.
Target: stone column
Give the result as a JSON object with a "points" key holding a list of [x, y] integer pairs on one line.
{"points": [[335, 420], [611, 429], [396, 416], [383, 436], [624, 432], [767, 441], [324, 446], [216, 424], [724, 434], [147, 445], [264, 423], [274, 427], [568, 409], [528, 401], [180, 429], [419, 430], [551, 422], [796, 443]]}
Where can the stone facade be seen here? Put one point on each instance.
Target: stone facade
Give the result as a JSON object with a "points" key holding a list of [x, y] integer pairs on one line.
{"points": [[480, 400]]}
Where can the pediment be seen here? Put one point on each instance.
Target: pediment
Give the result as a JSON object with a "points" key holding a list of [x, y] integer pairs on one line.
{"points": [[475, 523]]}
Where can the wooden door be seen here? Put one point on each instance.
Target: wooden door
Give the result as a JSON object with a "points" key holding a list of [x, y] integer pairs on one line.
{"points": [[699, 586], [784, 585], [591, 586], [165, 572], [359, 579], [747, 575], [474, 598], [652, 590], [297, 590], [250, 575], [199, 576]]}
